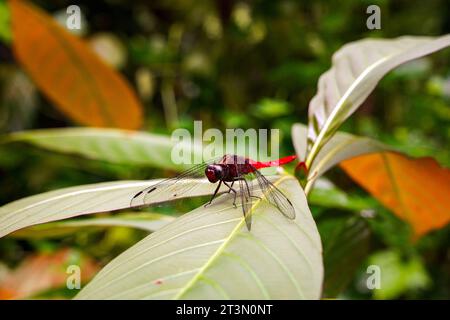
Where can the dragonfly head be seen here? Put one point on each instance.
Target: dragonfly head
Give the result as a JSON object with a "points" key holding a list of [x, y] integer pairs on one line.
{"points": [[214, 172]]}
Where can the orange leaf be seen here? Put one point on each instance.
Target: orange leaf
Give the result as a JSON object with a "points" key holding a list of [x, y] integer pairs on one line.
{"points": [[42, 272], [69, 73], [416, 190]]}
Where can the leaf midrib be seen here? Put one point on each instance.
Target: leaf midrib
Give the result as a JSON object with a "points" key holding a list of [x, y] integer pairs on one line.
{"points": [[220, 249]]}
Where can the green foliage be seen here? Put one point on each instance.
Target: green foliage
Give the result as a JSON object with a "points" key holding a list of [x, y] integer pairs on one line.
{"points": [[5, 31], [399, 276], [346, 242], [248, 65]]}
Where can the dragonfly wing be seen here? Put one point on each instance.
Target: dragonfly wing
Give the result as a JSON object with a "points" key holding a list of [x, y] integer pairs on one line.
{"points": [[275, 196], [171, 188], [245, 196]]}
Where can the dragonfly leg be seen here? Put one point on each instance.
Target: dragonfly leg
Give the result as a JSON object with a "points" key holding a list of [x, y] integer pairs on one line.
{"points": [[214, 195], [231, 189]]}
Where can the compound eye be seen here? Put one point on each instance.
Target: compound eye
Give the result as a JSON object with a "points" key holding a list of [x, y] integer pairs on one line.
{"points": [[211, 174]]}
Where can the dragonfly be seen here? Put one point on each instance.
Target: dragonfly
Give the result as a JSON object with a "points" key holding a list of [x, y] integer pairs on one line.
{"points": [[229, 171]]}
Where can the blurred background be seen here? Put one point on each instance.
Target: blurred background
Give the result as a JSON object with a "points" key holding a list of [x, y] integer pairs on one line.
{"points": [[246, 64]]}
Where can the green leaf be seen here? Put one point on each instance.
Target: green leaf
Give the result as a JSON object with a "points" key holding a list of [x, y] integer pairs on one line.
{"points": [[209, 254], [326, 195], [346, 246], [271, 108], [342, 146], [74, 201], [112, 145], [398, 275], [5, 23], [144, 221], [357, 68]]}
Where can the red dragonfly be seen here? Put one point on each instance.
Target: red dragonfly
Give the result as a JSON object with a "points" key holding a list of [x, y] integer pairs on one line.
{"points": [[226, 170]]}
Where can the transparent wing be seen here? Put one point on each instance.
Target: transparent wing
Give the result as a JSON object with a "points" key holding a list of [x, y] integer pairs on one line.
{"points": [[245, 195], [275, 196], [174, 187], [246, 202]]}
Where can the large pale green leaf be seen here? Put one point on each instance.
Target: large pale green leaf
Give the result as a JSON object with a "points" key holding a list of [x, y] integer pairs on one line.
{"points": [[209, 254], [341, 146], [143, 220], [112, 145], [357, 68], [74, 201], [131, 147]]}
